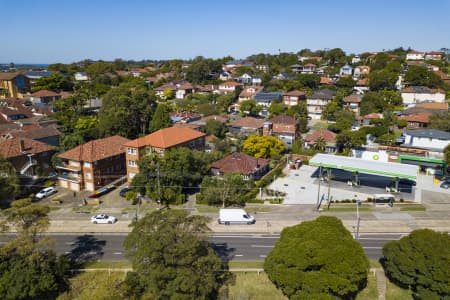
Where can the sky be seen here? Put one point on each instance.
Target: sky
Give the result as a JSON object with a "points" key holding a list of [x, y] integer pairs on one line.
{"points": [[50, 31]]}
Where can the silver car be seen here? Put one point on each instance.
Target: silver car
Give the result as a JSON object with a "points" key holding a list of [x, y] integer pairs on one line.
{"points": [[45, 193]]}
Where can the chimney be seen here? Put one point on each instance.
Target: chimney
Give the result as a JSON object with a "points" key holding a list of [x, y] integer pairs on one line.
{"points": [[22, 145], [257, 164]]}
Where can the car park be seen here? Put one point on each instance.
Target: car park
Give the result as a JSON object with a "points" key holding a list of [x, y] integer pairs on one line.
{"points": [[45, 193], [103, 219], [102, 191]]}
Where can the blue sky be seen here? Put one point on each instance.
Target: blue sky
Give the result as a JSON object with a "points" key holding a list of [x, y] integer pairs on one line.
{"points": [[49, 31]]}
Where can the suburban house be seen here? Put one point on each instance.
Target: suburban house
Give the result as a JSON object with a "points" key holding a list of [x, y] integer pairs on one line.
{"points": [[12, 114], [184, 117], [29, 157], [297, 69], [92, 165], [159, 142], [414, 94], [362, 86], [293, 98], [228, 87], [34, 76], [417, 120], [433, 55], [415, 55], [249, 92], [249, 167], [282, 76], [309, 69], [328, 136], [353, 102], [183, 90], [346, 70], [225, 76], [266, 98], [284, 127], [246, 126], [48, 135], [44, 97], [13, 85], [317, 102], [431, 139], [443, 76], [262, 68], [81, 76], [325, 81], [367, 119], [361, 71], [179, 88], [356, 59], [249, 79]]}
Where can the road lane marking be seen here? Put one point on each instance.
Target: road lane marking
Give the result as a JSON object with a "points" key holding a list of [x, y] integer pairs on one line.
{"points": [[378, 239], [262, 255], [238, 255], [70, 243], [262, 246], [67, 252], [118, 253], [373, 247]]}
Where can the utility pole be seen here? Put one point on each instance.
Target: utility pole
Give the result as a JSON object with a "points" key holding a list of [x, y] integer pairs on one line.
{"points": [[318, 189], [159, 187], [358, 204]]}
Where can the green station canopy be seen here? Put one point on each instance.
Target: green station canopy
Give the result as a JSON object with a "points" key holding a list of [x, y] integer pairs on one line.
{"points": [[389, 169]]}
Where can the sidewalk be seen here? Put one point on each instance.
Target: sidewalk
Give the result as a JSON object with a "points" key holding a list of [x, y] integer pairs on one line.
{"points": [[263, 227]]}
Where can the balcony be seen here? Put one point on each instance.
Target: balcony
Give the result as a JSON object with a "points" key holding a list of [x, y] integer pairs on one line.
{"points": [[69, 177], [67, 166]]}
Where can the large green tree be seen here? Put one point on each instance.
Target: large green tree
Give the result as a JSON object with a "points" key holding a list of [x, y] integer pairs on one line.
{"points": [[440, 121], [421, 76], [216, 128], [420, 261], [161, 118], [382, 80], [126, 110], [318, 259], [9, 184], [172, 258], [29, 268], [53, 82], [263, 146], [232, 189]]}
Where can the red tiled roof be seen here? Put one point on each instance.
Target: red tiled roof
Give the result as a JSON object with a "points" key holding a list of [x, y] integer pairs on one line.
{"points": [[353, 98], [230, 83], [421, 117], [97, 149], [326, 80], [248, 122], [166, 138], [433, 105], [18, 110], [44, 93], [11, 147], [295, 93], [35, 132], [247, 91], [9, 75], [420, 89], [215, 118], [371, 116], [241, 163], [187, 125], [328, 136], [283, 119]]}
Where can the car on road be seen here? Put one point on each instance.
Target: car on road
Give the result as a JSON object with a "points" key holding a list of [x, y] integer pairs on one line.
{"points": [[102, 191], [103, 219], [45, 193], [124, 191], [445, 184]]}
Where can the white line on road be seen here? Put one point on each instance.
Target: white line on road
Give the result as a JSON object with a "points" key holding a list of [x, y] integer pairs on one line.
{"points": [[378, 239], [67, 252], [262, 255], [238, 255], [262, 246], [70, 243], [118, 253], [373, 247]]}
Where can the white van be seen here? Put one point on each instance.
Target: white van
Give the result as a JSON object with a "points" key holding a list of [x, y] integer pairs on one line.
{"points": [[235, 216], [383, 200]]}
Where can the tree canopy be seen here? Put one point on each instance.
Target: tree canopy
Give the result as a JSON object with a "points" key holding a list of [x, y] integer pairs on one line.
{"points": [[53, 82], [172, 259], [263, 146], [421, 76], [317, 259], [421, 262], [9, 184], [382, 80], [161, 118]]}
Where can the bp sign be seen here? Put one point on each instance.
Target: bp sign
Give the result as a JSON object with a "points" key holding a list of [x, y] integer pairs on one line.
{"points": [[375, 157]]}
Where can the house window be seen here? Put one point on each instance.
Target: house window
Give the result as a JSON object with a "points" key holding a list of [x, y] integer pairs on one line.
{"points": [[132, 163], [87, 164], [132, 151]]}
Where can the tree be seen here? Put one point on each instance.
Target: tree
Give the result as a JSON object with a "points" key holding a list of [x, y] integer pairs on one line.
{"points": [[232, 189], [126, 110], [317, 259], [250, 107], [29, 268], [440, 121], [216, 128], [168, 93], [320, 144], [276, 108], [421, 76], [53, 82], [346, 82], [421, 262], [382, 80], [9, 184], [350, 139], [447, 154], [334, 55], [379, 101], [172, 259], [263, 146], [161, 118]]}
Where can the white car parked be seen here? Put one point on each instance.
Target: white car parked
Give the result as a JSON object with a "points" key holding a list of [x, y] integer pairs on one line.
{"points": [[45, 193], [103, 219]]}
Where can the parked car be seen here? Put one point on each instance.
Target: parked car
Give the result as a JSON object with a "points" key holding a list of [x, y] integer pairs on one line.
{"points": [[103, 219], [102, 191], [124, 191], [45, 193], [445, 184]]}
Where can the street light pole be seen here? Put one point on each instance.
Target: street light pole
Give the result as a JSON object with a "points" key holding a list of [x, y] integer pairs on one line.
{"points": [[358, 204]]}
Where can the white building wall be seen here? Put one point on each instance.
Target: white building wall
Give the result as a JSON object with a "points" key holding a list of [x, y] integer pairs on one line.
{"points": [[410, 98], [424, 142]]}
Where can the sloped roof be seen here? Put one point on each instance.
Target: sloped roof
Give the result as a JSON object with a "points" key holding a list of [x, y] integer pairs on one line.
{"points": [[323, 94], [9, 75], [11, 147], [241, 163], [433, 105], [327, 135], [421, 117], [422, 90], [430, 133], [326, 80], [283, 119], [295, 93], [96, 149], [217, 118], [166, 138], [353, 98], [44, 93], [248, 122], [35, 132]]}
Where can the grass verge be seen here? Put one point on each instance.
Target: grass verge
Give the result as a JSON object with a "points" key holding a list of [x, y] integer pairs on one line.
{"points": [[413, 207], [394, 292], [107, 264], [86, 209], [246, 264], [370, 292], [346, 209], [253, 286]]}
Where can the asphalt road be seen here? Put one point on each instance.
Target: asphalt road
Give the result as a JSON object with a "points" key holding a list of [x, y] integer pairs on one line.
{"points": [[236, 247]]}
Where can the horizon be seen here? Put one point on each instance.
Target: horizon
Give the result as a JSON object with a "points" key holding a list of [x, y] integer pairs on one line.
{"points": [[51, 31]]}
